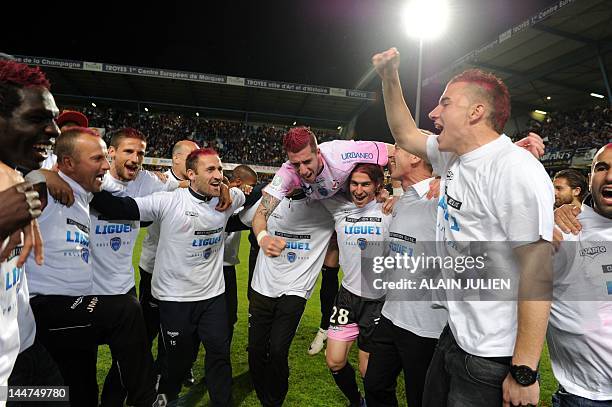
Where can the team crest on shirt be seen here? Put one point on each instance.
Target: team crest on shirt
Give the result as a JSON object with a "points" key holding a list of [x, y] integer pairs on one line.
{"points": [[85, 254], [291, 256], [362, 243], [207, 253], [115, 243], [323, 191]]}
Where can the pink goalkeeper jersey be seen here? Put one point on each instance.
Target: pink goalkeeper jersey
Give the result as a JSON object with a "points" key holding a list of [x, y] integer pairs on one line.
{"points": [[339, 159]]}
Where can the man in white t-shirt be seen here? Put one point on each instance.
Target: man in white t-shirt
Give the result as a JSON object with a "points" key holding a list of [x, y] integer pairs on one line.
{"points": [[409, 327], [279, 290], [362, 230], [112, 241], [580, 325], [24, 92], [150, 310], [491, 191], [70, 322], [188, 276]]}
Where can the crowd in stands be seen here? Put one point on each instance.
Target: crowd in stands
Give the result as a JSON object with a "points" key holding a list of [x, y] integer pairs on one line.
{"points": [[260, 144], [574, 129], [237, 142]]}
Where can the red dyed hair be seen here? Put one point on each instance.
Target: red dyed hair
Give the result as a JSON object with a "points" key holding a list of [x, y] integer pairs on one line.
{"points": [[297, 138], [494, 90], [192, 159], [373, 171], [21, 75], [126, 132], [15, 76]]}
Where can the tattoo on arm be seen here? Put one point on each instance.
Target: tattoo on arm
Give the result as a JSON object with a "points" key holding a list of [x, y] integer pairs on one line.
{"points": [[268, 204]]}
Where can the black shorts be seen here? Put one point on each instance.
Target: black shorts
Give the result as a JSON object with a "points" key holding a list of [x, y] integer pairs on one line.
{"points": [[354, 317]]}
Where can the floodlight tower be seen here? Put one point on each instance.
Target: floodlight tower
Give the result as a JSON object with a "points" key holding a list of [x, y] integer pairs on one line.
{"points": [[425, 20]]}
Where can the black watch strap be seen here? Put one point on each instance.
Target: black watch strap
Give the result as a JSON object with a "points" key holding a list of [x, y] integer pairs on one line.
{"points": [[524, 375]]}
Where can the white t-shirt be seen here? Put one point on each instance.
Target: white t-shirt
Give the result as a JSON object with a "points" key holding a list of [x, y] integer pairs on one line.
{"points": [[496, 193], [361, 232], [580, 331], [67, 269], [49, 162], [413, 227], [25, 317], [150, 241], [189, 265], [306, 227], [10, 284], [112, 242]]}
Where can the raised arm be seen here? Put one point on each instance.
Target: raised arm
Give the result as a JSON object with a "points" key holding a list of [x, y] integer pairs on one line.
{"points": [[271, 246], [401, 123]]}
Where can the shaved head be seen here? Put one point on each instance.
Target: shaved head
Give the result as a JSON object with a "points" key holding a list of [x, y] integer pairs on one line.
{"points": [[184, 146]]}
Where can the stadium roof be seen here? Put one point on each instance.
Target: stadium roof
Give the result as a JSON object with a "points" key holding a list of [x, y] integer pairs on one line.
{"points": [[561, 52], [220, 96]]}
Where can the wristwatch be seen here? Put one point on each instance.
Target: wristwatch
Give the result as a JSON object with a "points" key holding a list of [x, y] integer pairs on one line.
{"points": [[524, 375]]}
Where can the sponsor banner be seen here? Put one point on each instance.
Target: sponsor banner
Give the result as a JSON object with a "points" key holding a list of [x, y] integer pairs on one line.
{"points": [[195, 77], [557, 159], [166, 162], [50, 62], [583, 157]]}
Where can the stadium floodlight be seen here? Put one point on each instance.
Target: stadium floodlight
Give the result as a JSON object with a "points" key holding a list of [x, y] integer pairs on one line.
{"points": [[339, 128], [541, 112], [198, 114], [146, 109], [294, 123], [548, 97], [93, 104], [425, 20], [597, 95]]}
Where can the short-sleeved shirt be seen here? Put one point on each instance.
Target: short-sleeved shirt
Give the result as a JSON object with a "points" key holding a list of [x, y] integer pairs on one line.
{"points": [[580, 330], [496, 193], [189, 261], [306, 227]]}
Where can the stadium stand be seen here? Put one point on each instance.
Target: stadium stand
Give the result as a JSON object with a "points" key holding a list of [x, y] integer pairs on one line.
{"points": [[237, 142]]}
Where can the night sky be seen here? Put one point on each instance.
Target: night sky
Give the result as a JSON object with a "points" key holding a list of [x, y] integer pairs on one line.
{"points": [[321, 42]]}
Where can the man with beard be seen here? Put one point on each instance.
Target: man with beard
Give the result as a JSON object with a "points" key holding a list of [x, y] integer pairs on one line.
{"points": [[580, 325], [188, 276], [150, 310], [112, 241], [570, 187]]}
